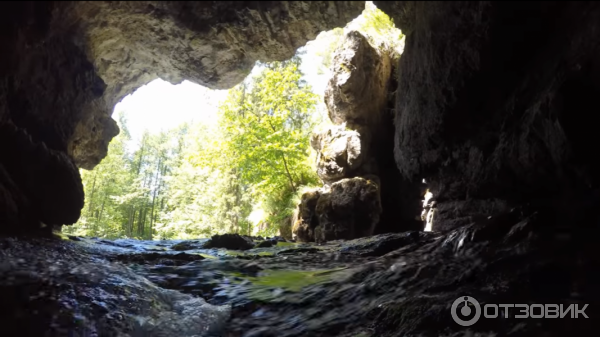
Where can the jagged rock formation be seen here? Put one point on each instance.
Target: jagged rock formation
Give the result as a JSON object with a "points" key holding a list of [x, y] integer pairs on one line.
{"points": [[36, 184], [357, 98], [307, 219], [340, 153], [63, 66], [358, 92], [494, 104], [347, 209]]}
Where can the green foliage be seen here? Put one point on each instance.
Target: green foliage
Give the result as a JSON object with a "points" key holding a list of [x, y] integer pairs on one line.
{"points": [[380, 30], [267, 124], [374, 24], [199, 179], [332, 40]]}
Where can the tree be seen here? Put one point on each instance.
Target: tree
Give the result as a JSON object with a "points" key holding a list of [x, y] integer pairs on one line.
{"points": [[202, 179], [267, 124], [379, 29]]}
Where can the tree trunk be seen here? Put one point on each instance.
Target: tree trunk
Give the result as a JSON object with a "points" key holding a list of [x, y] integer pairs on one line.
{"points": [[141, 222], [129, 227], [141, 154], [156, 190], [102, 208], [92, 195], [288, 172], [132, 223]]}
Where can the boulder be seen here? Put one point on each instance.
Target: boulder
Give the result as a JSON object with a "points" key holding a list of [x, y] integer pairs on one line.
{"points": [[357, 93], [187, 245], [37, 184], [229, 241], [304, 226], [276, 239], [359, 97], [340, 152], [349, 209]]}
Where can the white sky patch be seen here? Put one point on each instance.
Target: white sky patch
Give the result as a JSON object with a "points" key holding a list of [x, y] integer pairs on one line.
{"points": [[160, 106]]}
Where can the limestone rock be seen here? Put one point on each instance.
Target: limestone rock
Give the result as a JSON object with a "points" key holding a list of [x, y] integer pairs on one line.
{"points": [[339, 152], [307, 219], [37, 184], [229, 241], [359, 98], [347, 209], [357, 93], [350, 209], [12, 201]]}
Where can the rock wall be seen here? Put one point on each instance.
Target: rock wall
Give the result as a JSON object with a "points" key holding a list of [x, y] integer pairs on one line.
{"points": [[63, 66], [364, 192], [495, 103]]}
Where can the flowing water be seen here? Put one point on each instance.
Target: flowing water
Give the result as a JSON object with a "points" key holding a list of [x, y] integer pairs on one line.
{"points": [[386, 285]]}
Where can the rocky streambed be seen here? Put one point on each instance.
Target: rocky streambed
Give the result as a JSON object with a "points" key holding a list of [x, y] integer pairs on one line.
{"points": [[386, 285]]}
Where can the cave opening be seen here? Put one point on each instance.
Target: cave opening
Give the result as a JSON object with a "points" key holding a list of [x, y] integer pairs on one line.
{"points": [[192, 162]]}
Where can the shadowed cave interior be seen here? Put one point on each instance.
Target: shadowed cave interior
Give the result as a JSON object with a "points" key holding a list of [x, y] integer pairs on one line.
{"points": [[489, 112]]}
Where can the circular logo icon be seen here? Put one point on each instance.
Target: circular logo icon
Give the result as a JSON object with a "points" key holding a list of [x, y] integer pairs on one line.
{"points": [[465, 304]]}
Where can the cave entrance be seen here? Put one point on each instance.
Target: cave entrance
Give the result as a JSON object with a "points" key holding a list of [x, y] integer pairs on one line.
{"points": [[191, 162]]}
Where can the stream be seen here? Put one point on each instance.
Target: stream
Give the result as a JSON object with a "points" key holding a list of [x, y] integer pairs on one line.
{"points": [[386, 285]]}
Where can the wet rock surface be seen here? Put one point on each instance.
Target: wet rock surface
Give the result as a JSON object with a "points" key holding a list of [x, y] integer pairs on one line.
{"points": [[399, 284]]}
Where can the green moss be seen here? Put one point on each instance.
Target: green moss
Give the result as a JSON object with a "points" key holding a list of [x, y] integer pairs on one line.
{"points": [[292, 280], [207, 256], [238, 253], [264, 286], [286, 244]]}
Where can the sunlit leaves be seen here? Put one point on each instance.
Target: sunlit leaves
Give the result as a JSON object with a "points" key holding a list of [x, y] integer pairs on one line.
{"points": [[267, 123], [203, 179]]}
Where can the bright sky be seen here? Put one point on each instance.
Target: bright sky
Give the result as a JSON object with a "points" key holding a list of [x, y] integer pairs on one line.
{"points": [[160, 105]]}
